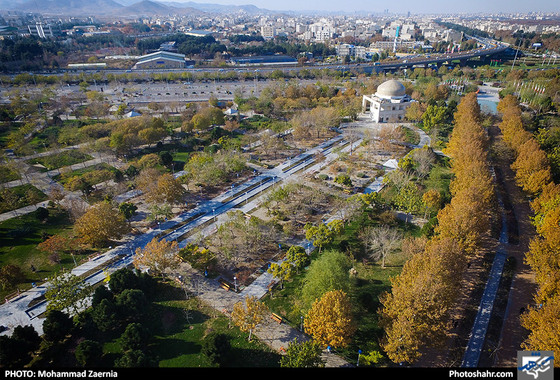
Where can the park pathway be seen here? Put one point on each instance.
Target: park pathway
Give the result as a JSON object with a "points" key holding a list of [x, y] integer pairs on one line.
{"points": [[276, 335], [246, 197], [43, 180]]}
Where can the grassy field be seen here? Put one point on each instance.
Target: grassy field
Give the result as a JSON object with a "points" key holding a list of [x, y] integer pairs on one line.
{"points": [[178, 327], [7, 174], [18, 246], [187, 322], [25, 195], [62, 159]]}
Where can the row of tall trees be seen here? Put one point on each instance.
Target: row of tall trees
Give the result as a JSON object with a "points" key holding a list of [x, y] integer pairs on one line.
{"points": [[468, 216], [415, 314], [531, 165], [533, 174]]}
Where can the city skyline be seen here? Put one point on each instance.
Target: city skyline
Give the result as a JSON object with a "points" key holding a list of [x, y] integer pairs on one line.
{"points": [[404, 6]]}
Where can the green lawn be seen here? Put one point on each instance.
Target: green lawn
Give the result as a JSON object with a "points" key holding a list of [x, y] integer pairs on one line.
{"points": [[179, 327], [18, 246], [100, 169], [24, 195], [7, 174], [179, 345], [181, 156], [62, 159]]}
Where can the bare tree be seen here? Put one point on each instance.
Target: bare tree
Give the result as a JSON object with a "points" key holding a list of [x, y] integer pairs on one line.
{"points": [[425, 158], [380, 242], [388, 136], [399, 178]]}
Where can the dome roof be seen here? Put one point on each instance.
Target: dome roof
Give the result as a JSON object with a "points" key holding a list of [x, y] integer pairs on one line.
{"points": [[391, 88]]}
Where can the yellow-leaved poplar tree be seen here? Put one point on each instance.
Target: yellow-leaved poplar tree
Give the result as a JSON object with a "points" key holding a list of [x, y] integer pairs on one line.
{"points": [[416, 312], [100, 223], [158, 256], [249, 314], [329, 321]]}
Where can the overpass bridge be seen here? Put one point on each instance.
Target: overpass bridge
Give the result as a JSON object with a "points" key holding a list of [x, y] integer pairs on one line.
{"points": [[426, 60], [490, 48]]}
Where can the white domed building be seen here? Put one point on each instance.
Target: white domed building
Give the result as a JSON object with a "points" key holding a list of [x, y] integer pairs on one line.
{"points": [[388, 104]]}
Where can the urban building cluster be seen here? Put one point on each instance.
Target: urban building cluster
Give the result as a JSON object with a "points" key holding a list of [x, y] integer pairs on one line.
{"points": [[535, 23], [356, 37], [305, 28]]}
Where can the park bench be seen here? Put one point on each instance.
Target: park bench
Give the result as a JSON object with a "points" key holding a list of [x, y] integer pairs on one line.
{"points": [[276, 317], [225, 285]]}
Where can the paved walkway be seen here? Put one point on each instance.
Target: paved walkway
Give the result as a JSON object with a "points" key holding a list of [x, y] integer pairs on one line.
{"points": [[43, 180], [482, 320], [245, 197], [276, 335]]}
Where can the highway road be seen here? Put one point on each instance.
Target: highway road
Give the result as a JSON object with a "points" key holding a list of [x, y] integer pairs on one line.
{"points": [[488, 48]]}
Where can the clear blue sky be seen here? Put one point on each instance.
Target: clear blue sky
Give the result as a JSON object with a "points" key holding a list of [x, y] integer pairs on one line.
{"points": [[402, 6]]}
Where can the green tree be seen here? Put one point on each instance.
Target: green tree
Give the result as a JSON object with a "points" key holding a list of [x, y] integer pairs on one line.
{"points": [[434, 116], [57, 326], [408, 199], [136, 359], [197, 257], [320, 235], [123, 279], [89, 353], [128, 209], [132, 305], [105, 316], [134, 337], [297, 257], [216, 347], [10, 276], [16, 350], [283, 271], [302, 355], [67, 291], [328, 272], [343, 179]]}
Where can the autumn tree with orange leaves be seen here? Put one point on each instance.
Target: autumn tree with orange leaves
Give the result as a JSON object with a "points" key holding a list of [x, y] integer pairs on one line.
{"points": [[467, 217], [158, 256], [533, 174], [329, 321], [415, 314]]}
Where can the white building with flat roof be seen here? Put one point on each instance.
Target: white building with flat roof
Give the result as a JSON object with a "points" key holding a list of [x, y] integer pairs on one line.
{"points": [[268, 32]]}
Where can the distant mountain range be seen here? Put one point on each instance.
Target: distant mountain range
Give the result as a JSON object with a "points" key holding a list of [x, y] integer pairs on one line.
{"points": [[212, 8], [120, 7]]}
